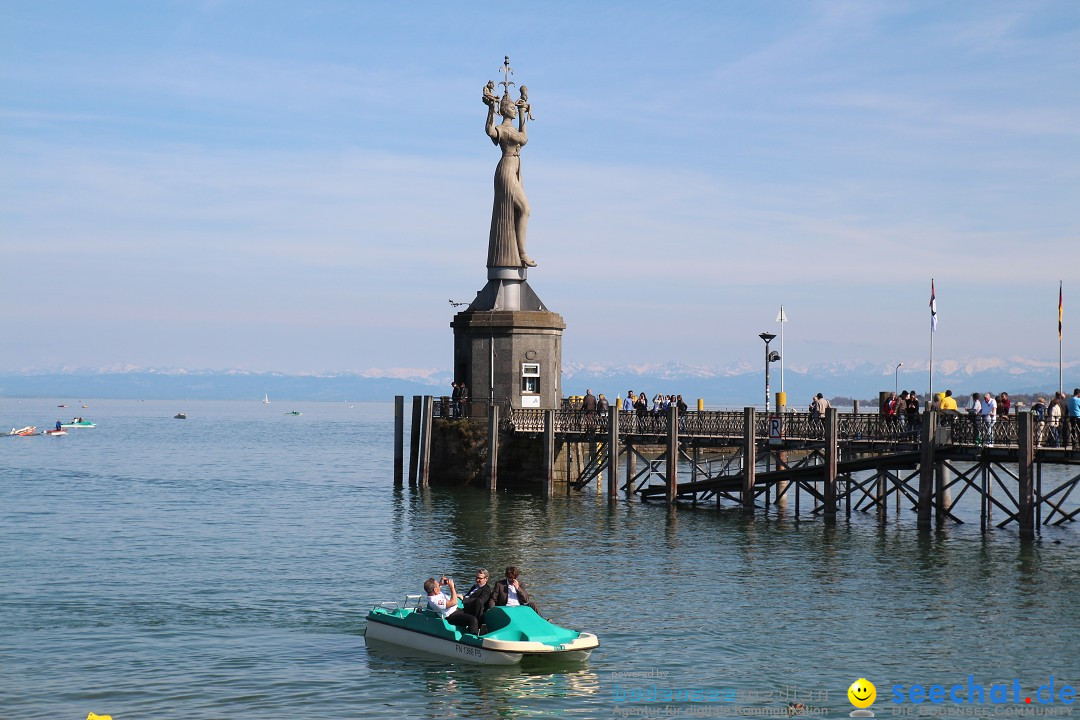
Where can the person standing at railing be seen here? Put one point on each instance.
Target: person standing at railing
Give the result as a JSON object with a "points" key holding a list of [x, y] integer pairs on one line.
{"points": [[818, 406], [603, 409], [948, 402], [914, 420], [1038, 416], [455, 400], [1074, 419], [463, 400], [1003, 405], [987, 414], [1055, 413], [588, 406]]}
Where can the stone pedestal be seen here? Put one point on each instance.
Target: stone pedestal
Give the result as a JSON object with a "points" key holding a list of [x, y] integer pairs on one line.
{"points": [[509, 357]]}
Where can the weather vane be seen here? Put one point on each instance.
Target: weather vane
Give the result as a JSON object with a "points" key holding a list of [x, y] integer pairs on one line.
{"points": [[507, 71]]}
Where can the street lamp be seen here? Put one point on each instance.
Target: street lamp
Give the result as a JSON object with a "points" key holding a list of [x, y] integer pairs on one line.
{"points": [[770, 357], [896, 378]]}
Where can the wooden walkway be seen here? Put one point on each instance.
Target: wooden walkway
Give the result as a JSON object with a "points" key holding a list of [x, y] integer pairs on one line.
{"points": [[845, 462]]}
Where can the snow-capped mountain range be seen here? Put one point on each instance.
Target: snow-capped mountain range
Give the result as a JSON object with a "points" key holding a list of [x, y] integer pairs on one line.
{"points": [[732, 386]]}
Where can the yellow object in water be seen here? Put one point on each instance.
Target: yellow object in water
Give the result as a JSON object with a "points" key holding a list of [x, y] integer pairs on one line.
{"points": [[95, 716]]}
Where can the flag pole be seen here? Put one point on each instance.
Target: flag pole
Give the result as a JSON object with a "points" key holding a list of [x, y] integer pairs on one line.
{"points": [[1061, 309], [933, 328]]}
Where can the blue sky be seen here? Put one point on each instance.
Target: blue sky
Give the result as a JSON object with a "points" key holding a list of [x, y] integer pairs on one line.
{"points": [[302, 186]]}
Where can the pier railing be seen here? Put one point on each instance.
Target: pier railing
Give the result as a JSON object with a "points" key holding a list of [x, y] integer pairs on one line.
{"points": [[851, 427]]}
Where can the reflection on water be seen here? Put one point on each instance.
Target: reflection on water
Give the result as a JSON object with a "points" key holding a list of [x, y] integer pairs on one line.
{"points": [[486, 691]]}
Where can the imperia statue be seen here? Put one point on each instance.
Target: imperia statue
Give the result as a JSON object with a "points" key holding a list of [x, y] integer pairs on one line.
{"points": [[510, 211]]}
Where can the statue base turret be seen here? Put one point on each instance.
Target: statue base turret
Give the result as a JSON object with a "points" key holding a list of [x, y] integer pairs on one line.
{"points": [[508, 289], [508, 346]]}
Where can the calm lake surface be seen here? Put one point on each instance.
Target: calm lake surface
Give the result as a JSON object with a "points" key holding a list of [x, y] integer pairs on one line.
{"points": [[221, 567]]}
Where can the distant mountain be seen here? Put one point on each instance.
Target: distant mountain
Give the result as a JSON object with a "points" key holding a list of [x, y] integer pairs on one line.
{"points": [[719, 387], [218, 385]]}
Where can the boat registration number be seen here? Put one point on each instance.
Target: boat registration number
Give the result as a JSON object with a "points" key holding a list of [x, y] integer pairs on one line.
{"points": [[470, 651]]}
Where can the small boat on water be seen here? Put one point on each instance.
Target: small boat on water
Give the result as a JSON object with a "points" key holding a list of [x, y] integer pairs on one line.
{"points": [[294, 412], [513, 633], [78, 423], [56, 432], [266, 399], [180, 416], [24, 432]]}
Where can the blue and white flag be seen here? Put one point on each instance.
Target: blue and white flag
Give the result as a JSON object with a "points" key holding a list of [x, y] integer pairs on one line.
{"points": [[933, 307]]}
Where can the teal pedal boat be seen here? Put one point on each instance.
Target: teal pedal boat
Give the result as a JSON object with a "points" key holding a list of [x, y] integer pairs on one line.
{"points": [[512, 633]]}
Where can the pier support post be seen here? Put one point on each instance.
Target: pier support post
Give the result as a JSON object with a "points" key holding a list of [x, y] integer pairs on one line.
{"points": [[631, 468], [493, 446], [399, 440], [414, 439], [926, 470], [549, 453], [425, 441], [1026, 497], [831, 453], [672, 468], [749, 457], [613, 454]]}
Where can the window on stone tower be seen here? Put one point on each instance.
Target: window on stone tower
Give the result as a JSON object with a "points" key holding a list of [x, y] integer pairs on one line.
{"points": [[530, 378]]}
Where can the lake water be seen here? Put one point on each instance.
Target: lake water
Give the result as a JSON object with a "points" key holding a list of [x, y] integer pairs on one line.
{"points": [[221, 567]]}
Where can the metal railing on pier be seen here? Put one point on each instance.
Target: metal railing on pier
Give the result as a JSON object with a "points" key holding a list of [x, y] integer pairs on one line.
{"points": [[963, 430]]}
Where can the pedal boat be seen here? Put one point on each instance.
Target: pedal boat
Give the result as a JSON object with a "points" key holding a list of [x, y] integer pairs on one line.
{"points": [[80, 424], [513, 633]]}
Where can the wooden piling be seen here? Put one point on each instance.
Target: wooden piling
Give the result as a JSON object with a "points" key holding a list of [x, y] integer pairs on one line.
{"points": [[425, 441], [613, 454], [414, 439], [549, 452], [1026, 498], [926, 470], [831, 456], [399, 440], [672, 468], [493, 446], [749, 458], [631, 468]]}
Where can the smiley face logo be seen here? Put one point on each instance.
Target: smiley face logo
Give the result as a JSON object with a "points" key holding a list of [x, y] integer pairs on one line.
{"points": [[862, 693]]}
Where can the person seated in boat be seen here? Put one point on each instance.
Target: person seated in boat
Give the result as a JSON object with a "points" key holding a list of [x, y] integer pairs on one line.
{"points": [[448, 607], [475, 600], [511, 592]]}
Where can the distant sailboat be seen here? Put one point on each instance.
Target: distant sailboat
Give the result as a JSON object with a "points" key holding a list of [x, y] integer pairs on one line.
{"points": [[266, 399]]}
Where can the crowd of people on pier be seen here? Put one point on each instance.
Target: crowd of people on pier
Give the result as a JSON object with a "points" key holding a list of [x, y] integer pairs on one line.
{"points": [[1057, 422]]}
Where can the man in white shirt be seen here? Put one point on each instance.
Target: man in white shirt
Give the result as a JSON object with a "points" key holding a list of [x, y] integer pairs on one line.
{"points": [[448, 607], [987, 413], [512, 592]]}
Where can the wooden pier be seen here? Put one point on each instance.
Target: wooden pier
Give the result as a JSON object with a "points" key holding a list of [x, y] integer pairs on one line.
{"points": [[844, 462]]}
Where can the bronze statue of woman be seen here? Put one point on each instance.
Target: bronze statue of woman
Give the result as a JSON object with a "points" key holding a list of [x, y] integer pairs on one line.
{"points": [[510, 212]]}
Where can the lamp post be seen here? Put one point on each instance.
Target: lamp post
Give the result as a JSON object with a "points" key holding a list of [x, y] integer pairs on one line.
{"points": [[770, 357], [896, 379]]}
